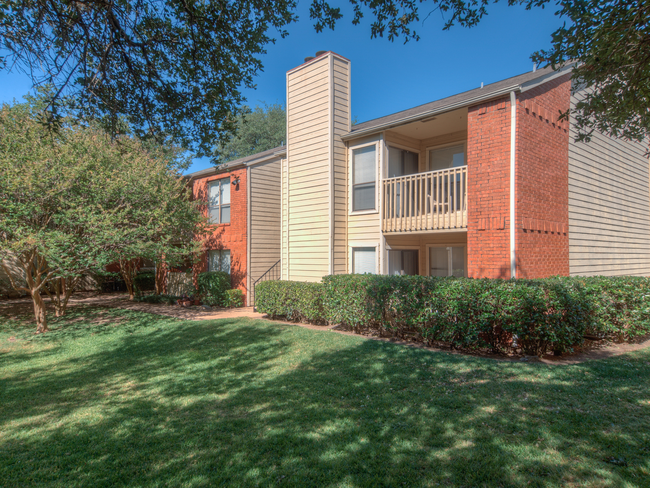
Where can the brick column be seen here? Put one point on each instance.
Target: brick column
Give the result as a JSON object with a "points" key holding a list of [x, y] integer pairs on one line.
{"points": [[543, 180], [488, 191]]}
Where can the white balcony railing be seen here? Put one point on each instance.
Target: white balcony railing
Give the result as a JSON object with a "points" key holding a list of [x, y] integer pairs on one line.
{"points": [[425, 201]]}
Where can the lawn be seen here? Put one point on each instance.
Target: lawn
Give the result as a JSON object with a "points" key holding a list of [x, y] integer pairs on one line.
{"points": [[116, 397]]}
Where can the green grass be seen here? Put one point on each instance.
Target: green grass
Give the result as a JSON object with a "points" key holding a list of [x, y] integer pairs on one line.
{"points": [[115, 397]]}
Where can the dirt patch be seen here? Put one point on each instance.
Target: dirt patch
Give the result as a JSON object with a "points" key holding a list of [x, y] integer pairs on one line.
{"points": [[21, 309]]}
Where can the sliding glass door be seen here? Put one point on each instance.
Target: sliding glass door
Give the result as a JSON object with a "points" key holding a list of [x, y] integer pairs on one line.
{"points": [[447, 261], [403, 262]]}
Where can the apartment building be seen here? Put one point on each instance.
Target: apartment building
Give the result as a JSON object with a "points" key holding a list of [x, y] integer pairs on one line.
{"points": [[243, 206], [485, 183]]}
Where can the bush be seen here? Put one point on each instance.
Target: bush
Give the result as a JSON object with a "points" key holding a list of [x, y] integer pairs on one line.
{"points": [[212, 288], [291, 300], [620, 306], [234, 298], [145, 281], [532, 316]]}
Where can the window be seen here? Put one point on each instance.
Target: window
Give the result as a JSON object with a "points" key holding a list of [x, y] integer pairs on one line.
{"points": [[219, 201], [364, 260], [447, 261], [447, 157], [219, 260], [401, 162], [364, 175], [403, 262]]}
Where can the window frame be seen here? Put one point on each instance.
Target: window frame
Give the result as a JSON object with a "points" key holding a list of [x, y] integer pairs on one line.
{"points": [[402, 248], [428, 150], [363, 244], [351, 150], [219, 181], [458, 244], [220, 251], [401, 147]]}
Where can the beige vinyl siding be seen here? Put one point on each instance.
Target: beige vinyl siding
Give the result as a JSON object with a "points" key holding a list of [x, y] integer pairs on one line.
{"points": [[364, 227], [308, 182], [609, 207], [285, 222], [266, 217], [341, 126]]}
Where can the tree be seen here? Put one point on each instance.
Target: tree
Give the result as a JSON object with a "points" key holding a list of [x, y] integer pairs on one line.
{"points": [[258, 130], [75, 200], [174, 69], [170, 68]]}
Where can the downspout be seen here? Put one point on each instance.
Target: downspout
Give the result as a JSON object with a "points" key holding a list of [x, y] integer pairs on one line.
{"points": [[249, 241], [513, 140], [331, 165]]}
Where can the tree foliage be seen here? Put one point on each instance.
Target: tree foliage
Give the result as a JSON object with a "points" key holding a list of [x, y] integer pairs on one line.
{"points": [[170, 67], [258, 130], [75, 200], [175, 69]]}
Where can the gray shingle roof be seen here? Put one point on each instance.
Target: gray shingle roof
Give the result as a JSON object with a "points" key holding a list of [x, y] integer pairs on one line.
{"points": [[252, 159], [454, 101]]}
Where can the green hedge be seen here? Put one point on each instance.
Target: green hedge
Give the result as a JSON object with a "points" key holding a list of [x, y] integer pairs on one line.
{"points": [[234, 298], [291, 300], [534, 316], [212, 288]]}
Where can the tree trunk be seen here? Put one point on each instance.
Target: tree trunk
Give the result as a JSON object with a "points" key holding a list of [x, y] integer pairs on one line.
{"points": [[36, 275], [128, 270], [161, 274], [39, 312], [60, 290]]}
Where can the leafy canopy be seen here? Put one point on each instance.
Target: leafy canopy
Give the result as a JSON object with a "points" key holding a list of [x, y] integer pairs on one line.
{"points": [[76, 200], [258, 130], [174, 70]]}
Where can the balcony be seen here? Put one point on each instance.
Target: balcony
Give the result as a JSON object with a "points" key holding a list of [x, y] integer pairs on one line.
{"points": [[423, 202]]}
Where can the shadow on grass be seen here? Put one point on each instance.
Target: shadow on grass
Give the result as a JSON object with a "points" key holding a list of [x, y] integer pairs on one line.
{"points": [[245, 403]]}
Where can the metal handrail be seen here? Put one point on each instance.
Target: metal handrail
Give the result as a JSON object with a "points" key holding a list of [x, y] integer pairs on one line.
{"points": [[262, 278]]}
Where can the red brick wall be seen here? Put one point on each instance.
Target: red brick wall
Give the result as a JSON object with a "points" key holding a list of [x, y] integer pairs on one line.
{"points": [[232, 236], [488, 192], [542, 181]]}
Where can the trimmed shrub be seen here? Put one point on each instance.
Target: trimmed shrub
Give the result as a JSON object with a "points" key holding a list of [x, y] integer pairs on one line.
{"points": [[620, 306], [533, 316], [291, 300], [234, 298], [212, 288]]}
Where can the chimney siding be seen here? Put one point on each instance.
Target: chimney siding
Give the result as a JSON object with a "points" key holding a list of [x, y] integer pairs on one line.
{"points": [[318, 114]]}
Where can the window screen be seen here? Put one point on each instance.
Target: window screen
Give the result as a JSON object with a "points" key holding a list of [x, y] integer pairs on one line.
{"points": [[219, 201], [219, 260], [403, 262], [447, 261], [364, 260], [364, 174], [401, 162]]}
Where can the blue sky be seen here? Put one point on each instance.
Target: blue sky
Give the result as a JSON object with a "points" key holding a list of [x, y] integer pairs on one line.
{"points": [[389, 77]]}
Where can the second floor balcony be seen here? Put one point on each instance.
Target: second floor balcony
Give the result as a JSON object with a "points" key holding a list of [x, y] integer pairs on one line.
{"points": [[421, 202]]}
